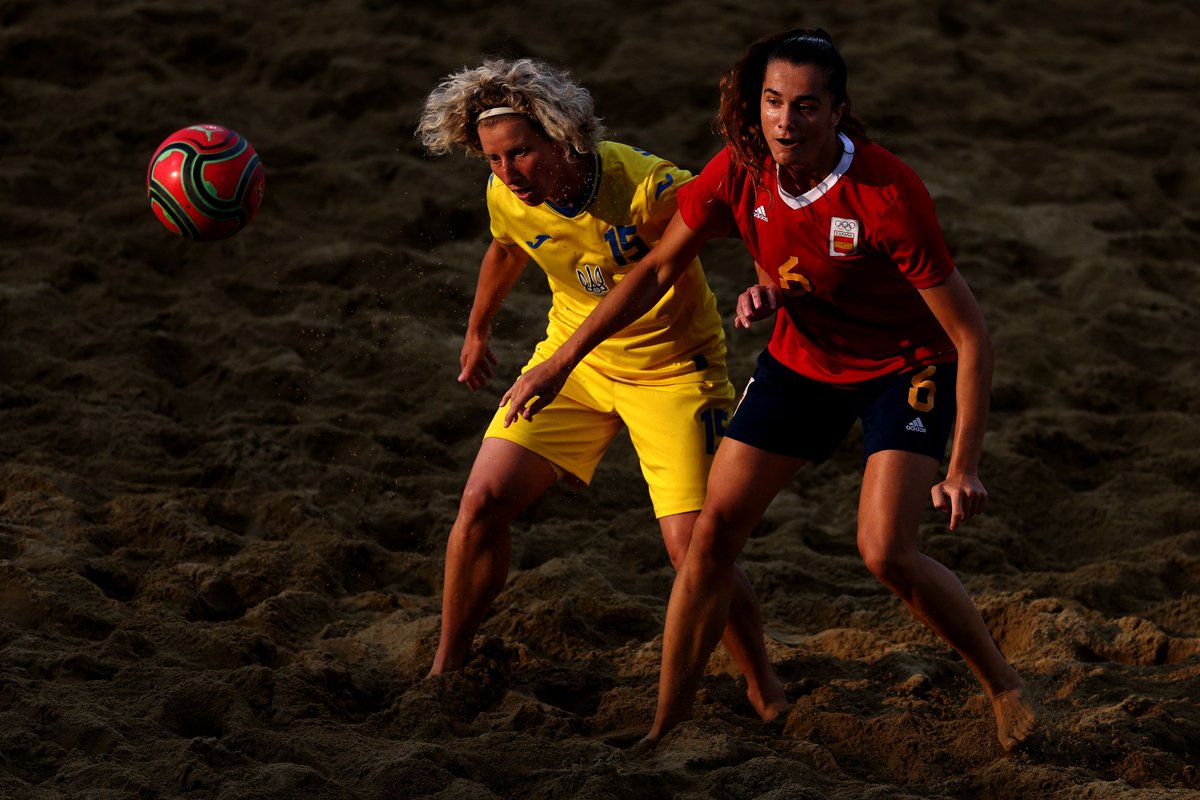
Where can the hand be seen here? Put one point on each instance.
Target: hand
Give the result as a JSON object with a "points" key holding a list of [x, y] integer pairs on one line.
{"points": [[544, 382], [758, 302], [476, 360], [962, 495]]}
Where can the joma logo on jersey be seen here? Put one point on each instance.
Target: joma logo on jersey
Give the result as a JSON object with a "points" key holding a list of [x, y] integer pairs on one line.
{"points": [[843, 236], [592, 280]]}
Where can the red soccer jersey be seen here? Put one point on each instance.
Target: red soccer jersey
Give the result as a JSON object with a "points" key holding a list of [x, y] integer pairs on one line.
{"points": [[850, 255]]}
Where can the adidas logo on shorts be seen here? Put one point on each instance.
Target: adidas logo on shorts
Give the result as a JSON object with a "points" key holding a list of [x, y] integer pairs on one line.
{"points": [[916, 426]]}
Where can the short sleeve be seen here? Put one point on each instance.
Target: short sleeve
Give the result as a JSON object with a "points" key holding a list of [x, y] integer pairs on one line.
{"points": [[909, 232], [498, 226], [705, 203], [662, 187]]}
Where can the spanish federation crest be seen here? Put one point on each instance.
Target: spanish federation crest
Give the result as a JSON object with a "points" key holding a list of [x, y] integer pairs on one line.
{"points": [[843, 236]]}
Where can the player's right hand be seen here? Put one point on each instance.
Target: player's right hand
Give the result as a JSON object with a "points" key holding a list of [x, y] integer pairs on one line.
{"points": [[476, 360], [758, 302]]}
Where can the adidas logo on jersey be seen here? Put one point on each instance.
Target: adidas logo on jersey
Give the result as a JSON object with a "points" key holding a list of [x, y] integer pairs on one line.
{"points": [[916, 426], [761, 213]]}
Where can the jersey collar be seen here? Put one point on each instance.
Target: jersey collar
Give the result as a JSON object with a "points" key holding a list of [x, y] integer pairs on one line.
{"points": [[819, 191], [587, 195]]}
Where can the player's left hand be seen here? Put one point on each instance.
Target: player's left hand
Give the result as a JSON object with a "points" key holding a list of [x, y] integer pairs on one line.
{"points": [[962, 495], [758, 302], [543, 382]]}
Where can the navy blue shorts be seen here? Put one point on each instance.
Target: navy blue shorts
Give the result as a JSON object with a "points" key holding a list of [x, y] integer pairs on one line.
{"points": [[784, 412]]}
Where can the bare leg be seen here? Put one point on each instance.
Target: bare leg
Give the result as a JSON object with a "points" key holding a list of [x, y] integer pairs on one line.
{"points": [[743, 636], [741, 485], [894, 493], [505, 479]]}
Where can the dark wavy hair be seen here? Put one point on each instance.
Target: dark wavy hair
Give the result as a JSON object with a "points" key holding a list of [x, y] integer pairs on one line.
{"points": [[739, 119]]}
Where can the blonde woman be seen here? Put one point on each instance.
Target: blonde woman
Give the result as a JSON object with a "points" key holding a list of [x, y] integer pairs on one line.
{"points": [[585, 210]]}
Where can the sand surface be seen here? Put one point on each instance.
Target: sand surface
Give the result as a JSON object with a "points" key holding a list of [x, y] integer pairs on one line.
{"points": [[227, 470]]}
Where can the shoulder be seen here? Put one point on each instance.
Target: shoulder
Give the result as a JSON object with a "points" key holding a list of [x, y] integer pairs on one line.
{"points": [[722, 169], [628, 157], [492, 187], [723, 162], [723, 177], [879, 163], [503, 207], [496, 192], [634, 162]]}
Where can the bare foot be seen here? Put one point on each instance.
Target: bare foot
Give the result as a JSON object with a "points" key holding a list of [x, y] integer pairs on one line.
{"points": [[645, 746], [440, 668], [774, 711], [1015, 716], [768, 698]]}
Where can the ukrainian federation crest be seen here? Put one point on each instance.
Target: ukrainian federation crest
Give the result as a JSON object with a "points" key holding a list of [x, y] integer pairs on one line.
{"points": [[592, 279], [843, 236]]}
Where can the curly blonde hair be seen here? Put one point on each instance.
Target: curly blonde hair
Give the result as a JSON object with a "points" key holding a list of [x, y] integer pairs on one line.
{"points": [[561, 109]]}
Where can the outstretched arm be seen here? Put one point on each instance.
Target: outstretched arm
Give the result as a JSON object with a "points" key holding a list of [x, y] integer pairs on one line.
{"points": [[502, 265], [962, 493], [634, 295]]}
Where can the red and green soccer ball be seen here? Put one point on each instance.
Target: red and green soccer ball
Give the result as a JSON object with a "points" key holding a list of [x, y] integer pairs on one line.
{"points": [[205, 182]]}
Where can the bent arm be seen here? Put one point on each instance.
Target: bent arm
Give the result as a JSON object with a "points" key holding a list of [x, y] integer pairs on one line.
{"points": [[956, 308], [637, 292], [759, 301], [634, 295], [498, 273]]}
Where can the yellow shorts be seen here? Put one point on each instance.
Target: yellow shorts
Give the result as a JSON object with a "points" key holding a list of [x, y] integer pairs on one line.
{"points": [[675, 429]]}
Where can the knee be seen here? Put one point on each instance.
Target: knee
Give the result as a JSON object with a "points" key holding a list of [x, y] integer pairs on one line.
{"points": [[482, 509], [889, 563], [677, 554], [677, 543], [716, 542]]}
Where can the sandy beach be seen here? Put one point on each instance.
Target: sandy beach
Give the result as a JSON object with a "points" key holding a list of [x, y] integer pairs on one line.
{"points": [[228, 469]]}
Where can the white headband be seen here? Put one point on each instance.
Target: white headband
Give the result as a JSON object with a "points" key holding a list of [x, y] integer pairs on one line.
{"points": [[495, 112]]}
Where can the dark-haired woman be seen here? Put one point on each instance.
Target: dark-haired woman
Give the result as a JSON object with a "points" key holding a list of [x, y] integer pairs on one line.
{"points": [[873, 322]]}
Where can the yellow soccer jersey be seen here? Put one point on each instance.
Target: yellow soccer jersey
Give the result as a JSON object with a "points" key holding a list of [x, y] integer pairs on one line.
{"points": [[586, 252]]}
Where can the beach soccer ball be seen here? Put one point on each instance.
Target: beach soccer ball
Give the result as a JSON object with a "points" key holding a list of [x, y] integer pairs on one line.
{"points": [[205, 182]]}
